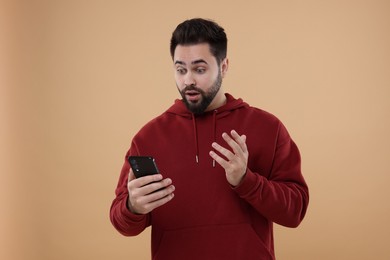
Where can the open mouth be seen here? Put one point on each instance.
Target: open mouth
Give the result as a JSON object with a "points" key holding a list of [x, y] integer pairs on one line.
{"points": [[192, 95]]}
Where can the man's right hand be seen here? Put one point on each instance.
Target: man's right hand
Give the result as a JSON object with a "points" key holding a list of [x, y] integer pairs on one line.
{"points": [[143, 194]]}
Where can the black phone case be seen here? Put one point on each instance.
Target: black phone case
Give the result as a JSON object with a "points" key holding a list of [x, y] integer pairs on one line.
{"points": [[143, 165]]}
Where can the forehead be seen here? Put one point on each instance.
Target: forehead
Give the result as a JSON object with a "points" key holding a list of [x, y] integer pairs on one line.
{"points": [[190, 53]]}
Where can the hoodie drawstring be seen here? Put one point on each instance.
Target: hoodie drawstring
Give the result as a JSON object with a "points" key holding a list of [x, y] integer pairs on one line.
{"points": [[215, 129], [196, 134], [196, 139]]}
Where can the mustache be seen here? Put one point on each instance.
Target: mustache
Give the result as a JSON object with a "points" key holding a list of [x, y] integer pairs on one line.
{"points": [[192, 87]]}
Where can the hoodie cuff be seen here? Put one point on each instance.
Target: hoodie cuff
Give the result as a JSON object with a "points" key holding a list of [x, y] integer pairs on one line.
{"points": [[127, 214], [248, 183]]}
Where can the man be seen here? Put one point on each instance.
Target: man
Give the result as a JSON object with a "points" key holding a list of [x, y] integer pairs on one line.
{"points": [[228, 170]]}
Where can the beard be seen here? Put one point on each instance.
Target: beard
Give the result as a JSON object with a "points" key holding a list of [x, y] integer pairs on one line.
{"points": [[200, 106]]}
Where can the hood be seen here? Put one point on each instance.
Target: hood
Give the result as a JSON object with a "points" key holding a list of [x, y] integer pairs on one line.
{"points": [[180, 109]]}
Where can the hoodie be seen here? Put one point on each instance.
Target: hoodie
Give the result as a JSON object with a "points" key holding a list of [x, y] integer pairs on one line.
{"points": [[208, 218]]}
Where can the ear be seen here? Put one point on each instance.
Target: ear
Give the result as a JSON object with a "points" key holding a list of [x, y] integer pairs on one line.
{"points": [[224, 67]]}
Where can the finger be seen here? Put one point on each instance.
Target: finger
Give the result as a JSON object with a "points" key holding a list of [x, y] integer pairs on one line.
{"points": [[145, 204], [157, 203], [142, 181], [219, 159], [244, 146], [159, 193], [241, 140], [146, 201], [232, 143], [131, 175], [227, 153], [154, 186]]}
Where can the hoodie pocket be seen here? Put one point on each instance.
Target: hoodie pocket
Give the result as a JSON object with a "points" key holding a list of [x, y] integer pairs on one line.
{"points": [[225, 242]]}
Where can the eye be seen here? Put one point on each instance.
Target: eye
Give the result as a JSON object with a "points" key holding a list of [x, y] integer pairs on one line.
{"points": [[200, 70], [181, 71]]}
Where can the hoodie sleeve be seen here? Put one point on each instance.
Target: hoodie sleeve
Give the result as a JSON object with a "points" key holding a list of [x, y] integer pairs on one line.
{"points": [[126, 222], [283, 197]]}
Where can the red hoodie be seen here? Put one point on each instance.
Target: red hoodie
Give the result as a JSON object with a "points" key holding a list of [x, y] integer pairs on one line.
{"points": [[207, 218]]}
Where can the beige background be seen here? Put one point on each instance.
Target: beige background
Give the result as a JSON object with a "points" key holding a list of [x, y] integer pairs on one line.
{"points": [[79, 78]]}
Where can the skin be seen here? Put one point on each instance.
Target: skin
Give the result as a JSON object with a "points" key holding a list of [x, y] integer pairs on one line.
{"points": [[193, 65]]}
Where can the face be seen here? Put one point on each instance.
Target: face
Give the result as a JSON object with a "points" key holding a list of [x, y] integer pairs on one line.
{"points": [[199, 77]]}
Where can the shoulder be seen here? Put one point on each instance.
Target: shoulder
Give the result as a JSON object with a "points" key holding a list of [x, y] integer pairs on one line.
{"points": [[163, 122], [156, 121], [272, 121], [260, 114]]}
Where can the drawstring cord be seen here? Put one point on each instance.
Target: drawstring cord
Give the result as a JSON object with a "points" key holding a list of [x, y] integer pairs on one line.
{"points": [[215, 129], [196, 135], [196, 139]]}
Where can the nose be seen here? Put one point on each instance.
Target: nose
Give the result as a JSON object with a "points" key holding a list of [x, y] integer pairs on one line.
{"points": [[189, 79]]}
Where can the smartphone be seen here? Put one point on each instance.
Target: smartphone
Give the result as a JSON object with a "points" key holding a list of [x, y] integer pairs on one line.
{"points": [[143, 165]]}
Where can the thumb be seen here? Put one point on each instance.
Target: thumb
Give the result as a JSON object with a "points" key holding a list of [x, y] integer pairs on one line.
{"points": [[131, 175]]}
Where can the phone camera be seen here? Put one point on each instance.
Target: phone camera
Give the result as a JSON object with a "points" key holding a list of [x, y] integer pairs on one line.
{"points": [[134, 164]]}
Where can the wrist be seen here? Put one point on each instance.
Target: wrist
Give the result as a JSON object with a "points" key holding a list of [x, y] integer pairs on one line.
{"points": [[239, 181], [130, 208]]}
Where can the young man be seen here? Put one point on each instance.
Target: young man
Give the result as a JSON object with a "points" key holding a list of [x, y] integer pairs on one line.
{"points": [[228, 170]]}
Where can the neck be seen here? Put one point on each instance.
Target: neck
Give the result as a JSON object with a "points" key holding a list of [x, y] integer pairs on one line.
{"points": [[218, 101]]}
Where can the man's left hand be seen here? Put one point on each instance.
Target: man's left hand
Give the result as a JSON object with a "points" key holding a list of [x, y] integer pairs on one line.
{"points": [[235, 161]]}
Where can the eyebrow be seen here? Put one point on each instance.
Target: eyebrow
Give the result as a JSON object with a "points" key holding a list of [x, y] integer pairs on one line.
{"points": [[193, 62]]}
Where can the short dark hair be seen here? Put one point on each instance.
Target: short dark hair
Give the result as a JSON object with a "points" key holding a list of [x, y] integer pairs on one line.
{"points": [[200, 30]]}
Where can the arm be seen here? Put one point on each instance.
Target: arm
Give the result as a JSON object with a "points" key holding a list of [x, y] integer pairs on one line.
{"points": [[136, 198], [125, 221], [281, 198]]}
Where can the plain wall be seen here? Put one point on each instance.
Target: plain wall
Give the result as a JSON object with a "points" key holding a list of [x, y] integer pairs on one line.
{"points": [[79, 78]]}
